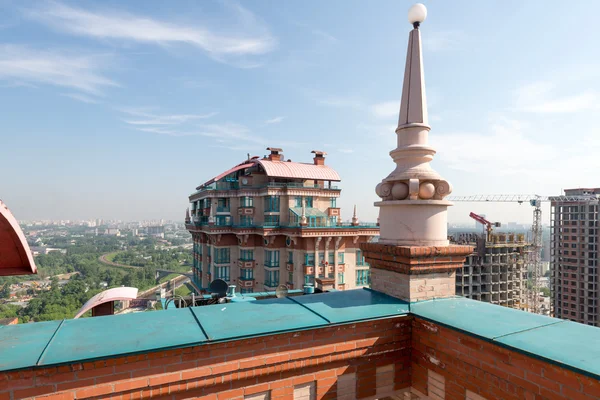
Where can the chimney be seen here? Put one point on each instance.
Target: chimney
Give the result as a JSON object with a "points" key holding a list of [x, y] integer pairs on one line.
{"points": [[274, 156], [319, 157]]}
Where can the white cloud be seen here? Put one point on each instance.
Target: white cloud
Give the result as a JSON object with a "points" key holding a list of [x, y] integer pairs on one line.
{"points": [[275, 120], [75, 71], [341, 101], [252, 39], [506, 149], [153, 119], [80, 97], [443, 40], [541, 97], [386, 109]]}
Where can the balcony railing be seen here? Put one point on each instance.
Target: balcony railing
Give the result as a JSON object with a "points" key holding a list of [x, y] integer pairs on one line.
{"points": [[223, 209], [272, 264], [271, 284], [236, 186]]}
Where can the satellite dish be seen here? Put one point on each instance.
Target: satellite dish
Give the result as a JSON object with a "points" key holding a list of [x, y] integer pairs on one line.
{"points": [[218, 286], [281, 291]]}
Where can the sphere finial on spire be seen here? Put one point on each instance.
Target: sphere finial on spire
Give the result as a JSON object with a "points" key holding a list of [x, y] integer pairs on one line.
{"points": [[417, 14]]}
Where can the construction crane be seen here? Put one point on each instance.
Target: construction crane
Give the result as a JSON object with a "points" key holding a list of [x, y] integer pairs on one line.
{"points": [[536, 228], [488, 225]]}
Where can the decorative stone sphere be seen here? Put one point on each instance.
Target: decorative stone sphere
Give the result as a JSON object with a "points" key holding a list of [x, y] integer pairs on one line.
{"points": [[399, 191], [383, 190], [426, 190], [443, 188]]}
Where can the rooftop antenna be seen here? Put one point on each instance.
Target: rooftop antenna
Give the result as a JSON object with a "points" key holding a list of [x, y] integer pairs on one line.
{"points": [[281, 291]]}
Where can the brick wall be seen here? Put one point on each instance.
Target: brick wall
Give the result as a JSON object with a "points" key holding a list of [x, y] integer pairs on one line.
{"points": [[374, 354], [368, 360], [479, 370]]}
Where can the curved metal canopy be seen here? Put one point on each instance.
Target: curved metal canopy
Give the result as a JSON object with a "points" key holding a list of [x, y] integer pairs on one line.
{"points": [[15, 255], [114, 294]]}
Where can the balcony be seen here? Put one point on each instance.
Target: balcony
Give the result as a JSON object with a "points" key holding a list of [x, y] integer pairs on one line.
{"points": [[271, 285], [223, 209], [246, 282], [222, 261], [245, 211], [271, 264], [333, 212], [246, 263]]}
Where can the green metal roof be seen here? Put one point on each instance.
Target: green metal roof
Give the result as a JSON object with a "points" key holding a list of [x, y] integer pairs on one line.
{"points": [[309, 212], [565, 343], [568, 344], [84, 339]]}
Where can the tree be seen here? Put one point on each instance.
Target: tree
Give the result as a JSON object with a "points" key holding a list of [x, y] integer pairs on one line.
{"points": [[5, 292]]}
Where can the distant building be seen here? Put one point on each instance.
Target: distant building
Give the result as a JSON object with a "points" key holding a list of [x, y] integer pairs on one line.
{"points": [[156, 231], [269, 222], [9, 321], [496, 272], [574, 256]]}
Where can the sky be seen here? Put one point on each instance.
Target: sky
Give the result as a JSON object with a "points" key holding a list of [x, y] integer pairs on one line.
{"points": [[118, 110]]}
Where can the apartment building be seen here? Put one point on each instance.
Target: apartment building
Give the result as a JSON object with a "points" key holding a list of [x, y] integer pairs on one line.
{"points": [[574, 255], [269, 221], [496, 271]]}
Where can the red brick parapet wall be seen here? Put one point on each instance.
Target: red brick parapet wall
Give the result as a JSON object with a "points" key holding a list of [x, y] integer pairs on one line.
{"points": [[365, 360], [236, 369]]}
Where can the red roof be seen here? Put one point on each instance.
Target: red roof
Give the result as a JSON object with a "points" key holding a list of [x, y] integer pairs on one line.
{"points": [[285, 169], [15, 255]]}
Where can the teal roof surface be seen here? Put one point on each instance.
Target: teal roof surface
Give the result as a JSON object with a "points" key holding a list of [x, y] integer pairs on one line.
{"points": [[571, 345], [84, 339]]}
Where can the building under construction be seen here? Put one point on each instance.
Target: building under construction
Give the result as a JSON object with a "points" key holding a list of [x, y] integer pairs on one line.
{"points": [[496, 272]]}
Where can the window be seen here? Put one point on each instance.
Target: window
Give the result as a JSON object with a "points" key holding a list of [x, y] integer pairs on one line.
{"points": [[333, 202], [291, 277], [333, 221], [244, 291], [247, 255], [309, 202], [340, 278], [309, 279], [272, 258], [246, 220], [298, 200], [340, 257], [271, 220], [272, 204], [247, 274], [363, 277], [223, 204], [271, 278], [331, 258], [321, 258], [309, 259], [222, 273], [290, 257], [246, 201], [360, 260], [222, 220], [222, 256]]}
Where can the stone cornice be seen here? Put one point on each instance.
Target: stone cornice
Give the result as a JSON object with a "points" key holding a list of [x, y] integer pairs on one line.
{"points": [[415, 260]]}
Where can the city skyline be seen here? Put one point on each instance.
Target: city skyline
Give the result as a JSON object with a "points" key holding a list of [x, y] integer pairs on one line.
{"points": [[124, 97]]}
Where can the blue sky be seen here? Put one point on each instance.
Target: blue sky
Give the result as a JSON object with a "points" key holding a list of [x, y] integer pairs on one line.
{"points": [[120, 109]]}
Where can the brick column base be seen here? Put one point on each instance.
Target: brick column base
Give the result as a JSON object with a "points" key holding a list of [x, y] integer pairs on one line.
{"points": [[414, 273]]}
